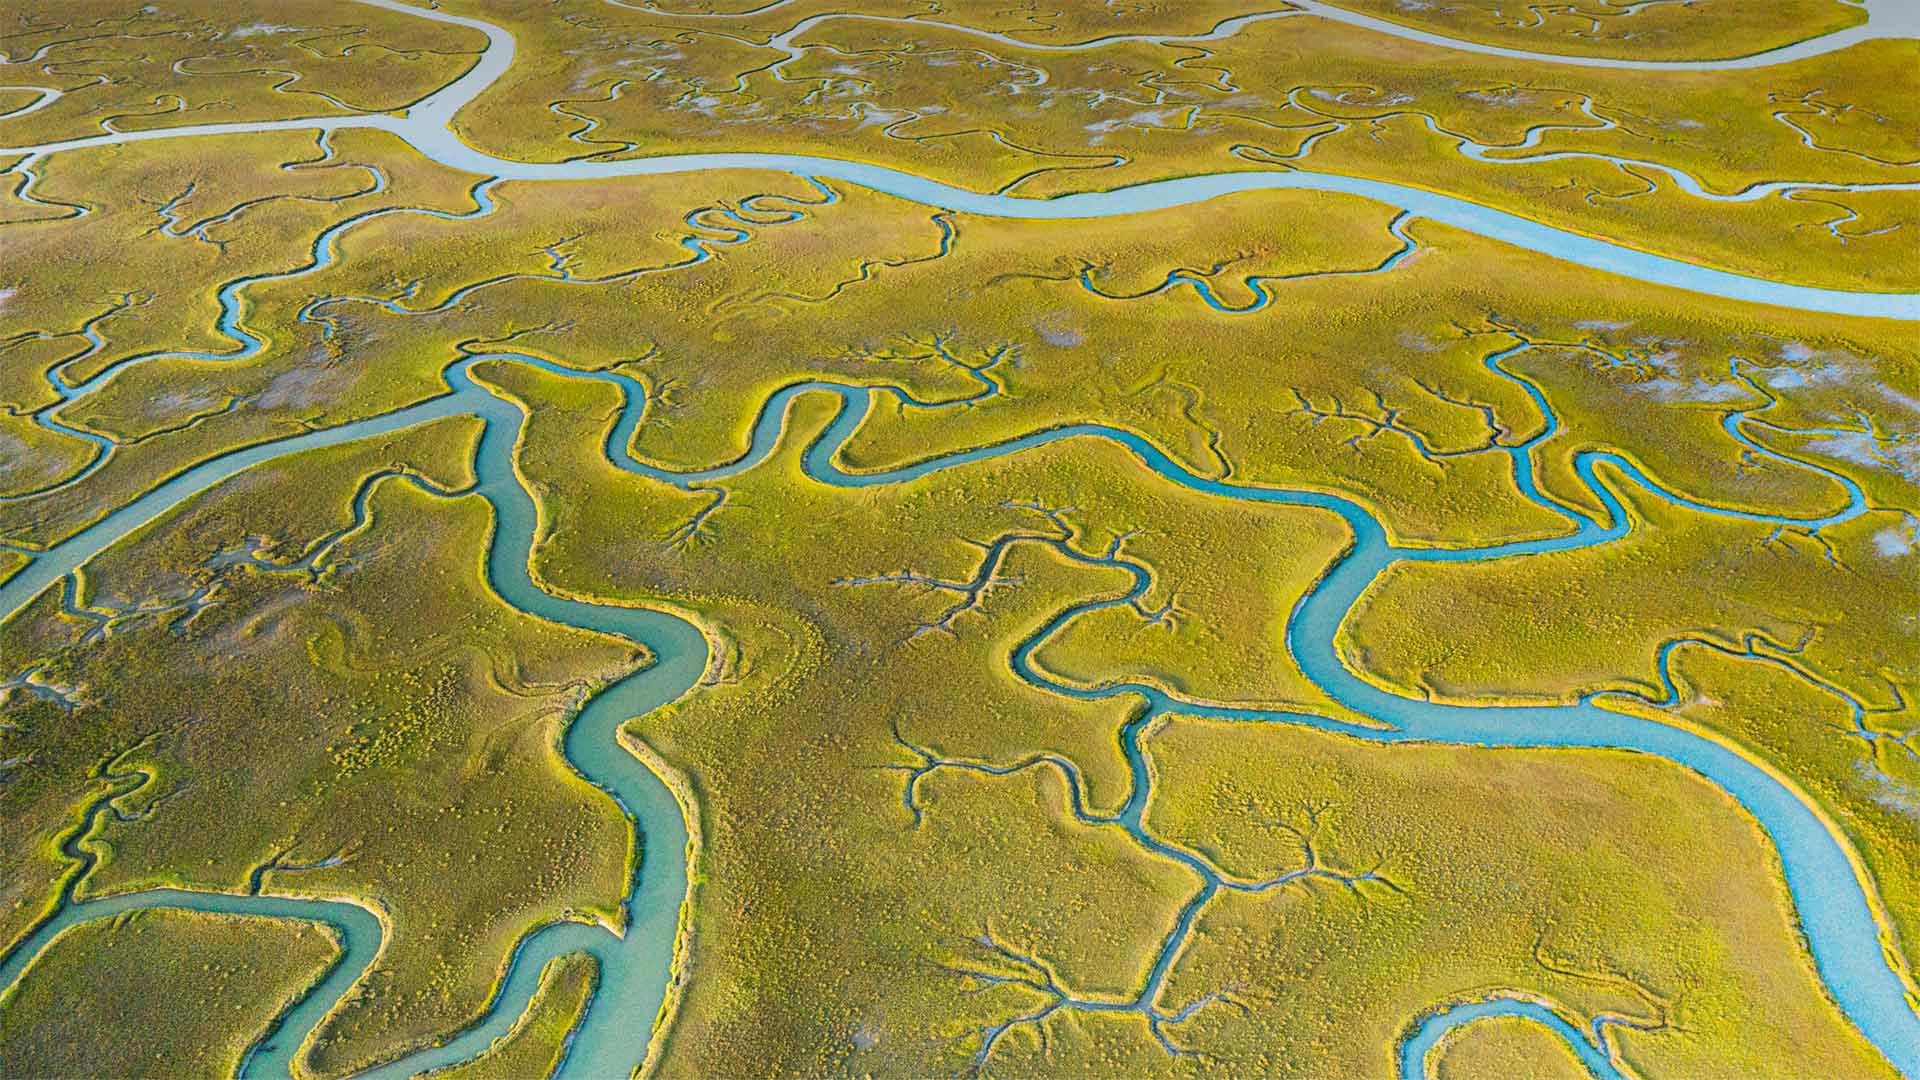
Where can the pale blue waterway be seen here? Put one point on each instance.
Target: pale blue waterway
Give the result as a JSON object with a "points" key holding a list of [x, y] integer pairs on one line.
{"points": [[1586, 1046], [1834, 909], [1593, 253], [635, 969], [427, 127], [634, 966]]}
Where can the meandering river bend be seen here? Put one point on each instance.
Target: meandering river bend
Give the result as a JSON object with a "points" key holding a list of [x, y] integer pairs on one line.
{"points": [[1839, 912]]}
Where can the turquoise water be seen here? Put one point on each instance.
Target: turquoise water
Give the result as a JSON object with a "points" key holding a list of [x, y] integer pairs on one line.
{"points": [[635, 964], [426, 128], [1834, 909], [1587, 1046]]}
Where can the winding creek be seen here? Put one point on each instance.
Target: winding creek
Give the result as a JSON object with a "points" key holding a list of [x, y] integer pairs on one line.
{"points": [[1838, 910]]}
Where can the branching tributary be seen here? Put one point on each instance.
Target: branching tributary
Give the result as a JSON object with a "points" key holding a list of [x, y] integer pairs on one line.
{"points": [[1839, 914], [1833, 899]]}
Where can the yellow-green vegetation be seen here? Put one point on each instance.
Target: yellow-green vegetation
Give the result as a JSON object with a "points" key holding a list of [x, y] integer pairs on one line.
{"points": [[993, 114], [954, 799], [1811, 631], [1222, 636], [135, 287], [1660, 30], [535, 1045], [1657, 377], [32, 457], [1024, 20], [1699, 962], [1506, 1048], [819, 297], [169, 222], [1037, 302], [126, 67], [1812, 120], [1867, 779], [1373, 384], [829, 754], [411, 718], [583, 500], [157, 993]]}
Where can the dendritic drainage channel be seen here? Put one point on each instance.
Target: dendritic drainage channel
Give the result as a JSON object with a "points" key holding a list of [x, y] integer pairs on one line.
{"points": [[1834, 902], [1831, 898]]}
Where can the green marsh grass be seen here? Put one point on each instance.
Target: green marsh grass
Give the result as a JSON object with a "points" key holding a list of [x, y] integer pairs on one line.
{"points": [[158, 993], [411, 717], [537, 1044]]}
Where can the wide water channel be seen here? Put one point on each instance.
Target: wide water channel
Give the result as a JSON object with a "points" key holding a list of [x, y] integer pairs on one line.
{"points": [[1835, 903], [1836, 911], [427, 127]]}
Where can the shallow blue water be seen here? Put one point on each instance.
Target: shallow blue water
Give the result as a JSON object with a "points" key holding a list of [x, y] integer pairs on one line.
{"points": [[635, 967], [1432, 1028], [427, 128], [1838, 920]]}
